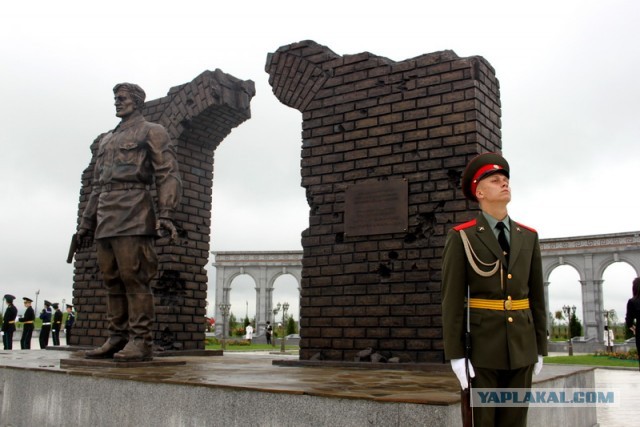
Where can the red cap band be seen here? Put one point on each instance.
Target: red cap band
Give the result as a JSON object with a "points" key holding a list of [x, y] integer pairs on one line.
{"points": [[481, 174]]}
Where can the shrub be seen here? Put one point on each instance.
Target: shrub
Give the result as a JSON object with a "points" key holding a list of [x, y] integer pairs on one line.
{"points": [[238, 342], [622, 355]]}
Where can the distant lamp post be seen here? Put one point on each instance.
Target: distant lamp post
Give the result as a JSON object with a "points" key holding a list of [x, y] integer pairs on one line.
{"points": [[568, 311], [275, 313], [37, 293], [224, 310], [285, 307]]}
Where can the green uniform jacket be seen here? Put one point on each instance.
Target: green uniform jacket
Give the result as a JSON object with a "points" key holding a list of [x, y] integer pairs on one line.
{"points": [[499, 339]]}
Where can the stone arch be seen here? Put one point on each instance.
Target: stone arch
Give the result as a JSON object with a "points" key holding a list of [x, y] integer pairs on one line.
{"points": [[590, 256], [297, 275], [241, 287], [561, 261], [617, 277], [231, 278], [264, 268], [613, 258], [274, 279], [548, 283]]}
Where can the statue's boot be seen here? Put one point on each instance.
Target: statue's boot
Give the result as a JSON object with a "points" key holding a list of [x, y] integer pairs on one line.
{"points": [[141, 316], [117, 314]]}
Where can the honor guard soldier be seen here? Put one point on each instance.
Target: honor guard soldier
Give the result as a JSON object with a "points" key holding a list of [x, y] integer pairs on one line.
{"points": [[9, 322], [57, 324], [492, 290], [45, 316], [27, 322], [68, 324]]}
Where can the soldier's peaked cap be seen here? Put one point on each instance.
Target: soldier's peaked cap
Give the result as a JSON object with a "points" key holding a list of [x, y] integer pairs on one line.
{"points": [[27, 299], [9, 297], [480, 167]]}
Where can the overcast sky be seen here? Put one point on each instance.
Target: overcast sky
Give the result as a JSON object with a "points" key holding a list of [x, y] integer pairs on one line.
{"points": [[569, 92]]}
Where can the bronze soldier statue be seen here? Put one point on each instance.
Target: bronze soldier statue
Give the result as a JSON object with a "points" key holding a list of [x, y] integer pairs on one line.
{"points": [[120, 216]]}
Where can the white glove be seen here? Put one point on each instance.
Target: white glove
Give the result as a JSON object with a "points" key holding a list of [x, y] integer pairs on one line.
{"points": [[458, 368], [538, 366]]}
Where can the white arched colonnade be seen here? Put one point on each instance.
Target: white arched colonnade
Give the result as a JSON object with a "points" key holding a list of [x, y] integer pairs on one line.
{"points": [[264, 267]]}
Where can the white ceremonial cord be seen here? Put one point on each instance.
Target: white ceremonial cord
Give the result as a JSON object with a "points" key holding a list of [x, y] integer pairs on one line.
{"points": [[472, 257]]}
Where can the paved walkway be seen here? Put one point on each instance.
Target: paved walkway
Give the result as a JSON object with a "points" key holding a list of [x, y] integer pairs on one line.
{"points": [[627, 381]]}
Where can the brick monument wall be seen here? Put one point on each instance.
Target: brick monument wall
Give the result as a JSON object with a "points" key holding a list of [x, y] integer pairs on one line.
{"points": [[198, 116], [368, 119]]}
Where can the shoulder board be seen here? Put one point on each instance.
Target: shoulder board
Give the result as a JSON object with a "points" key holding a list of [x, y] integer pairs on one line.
{"points": [[526, 228], [465, 225]]}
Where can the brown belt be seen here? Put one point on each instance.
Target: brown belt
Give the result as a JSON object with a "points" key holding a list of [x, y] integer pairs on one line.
{"points": [[114, 186]]}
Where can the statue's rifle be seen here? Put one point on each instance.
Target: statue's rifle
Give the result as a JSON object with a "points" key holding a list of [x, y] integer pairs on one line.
{"points": [[73, 248]]}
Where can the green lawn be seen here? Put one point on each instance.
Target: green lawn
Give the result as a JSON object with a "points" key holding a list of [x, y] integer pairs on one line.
{"points": [[591, 360]]}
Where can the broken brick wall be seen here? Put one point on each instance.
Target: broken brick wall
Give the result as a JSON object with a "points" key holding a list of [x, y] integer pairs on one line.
{"points": [[370, 119]]}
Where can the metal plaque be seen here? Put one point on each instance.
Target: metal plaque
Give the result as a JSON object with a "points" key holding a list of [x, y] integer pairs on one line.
{"points": [[376, 208]]}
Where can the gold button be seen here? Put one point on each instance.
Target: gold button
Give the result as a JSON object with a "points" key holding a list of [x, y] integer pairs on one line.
{"points": [[510, 319], [509, 276]]}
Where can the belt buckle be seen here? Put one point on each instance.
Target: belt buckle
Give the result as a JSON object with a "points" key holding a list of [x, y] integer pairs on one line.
{"points": [[508, 304]]}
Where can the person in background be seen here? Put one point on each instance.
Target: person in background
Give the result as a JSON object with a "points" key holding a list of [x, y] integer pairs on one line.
{"points": [[268, 332], [632, 317], [57, 323], [608, 338], [27, 321], [249, 331], [68, 324], [9, 322], [45, 316]]}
